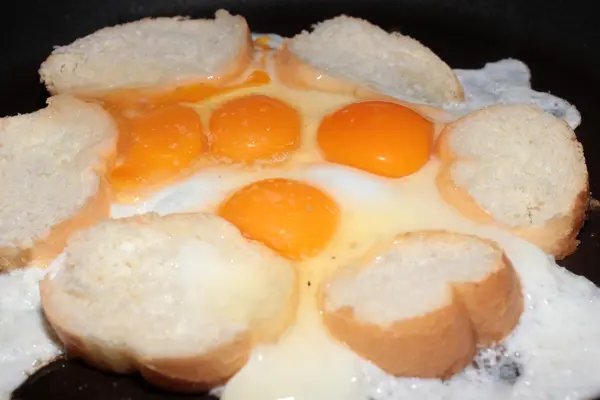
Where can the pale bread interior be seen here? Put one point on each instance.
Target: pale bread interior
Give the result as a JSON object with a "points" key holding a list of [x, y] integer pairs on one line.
{"points": [[149, 52], [355, 50], [125, 281], [522, 165], [168, 287], [411, 278], [52, 162]]}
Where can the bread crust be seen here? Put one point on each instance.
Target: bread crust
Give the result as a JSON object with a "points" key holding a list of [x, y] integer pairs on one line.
{"points": [[198, 373], [436, 345], [442, 342], [557, 237], [12, 258], [190, 374]]}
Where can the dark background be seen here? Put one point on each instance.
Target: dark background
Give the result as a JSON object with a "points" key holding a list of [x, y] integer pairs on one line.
{"points": [[558, 39], [563, 32]]}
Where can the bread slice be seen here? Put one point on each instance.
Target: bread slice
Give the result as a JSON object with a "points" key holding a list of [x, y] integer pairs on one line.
{"points": [[418, 307], [52, 165], [182, 298], [518, 167], [351, 55], [159, 52]]}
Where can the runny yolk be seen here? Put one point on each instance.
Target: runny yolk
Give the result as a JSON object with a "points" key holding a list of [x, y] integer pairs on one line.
{"points": [[293, 218], [159, 137], [156, 146], [263, 43], [149, 98], [379, 137], [254, 127]]}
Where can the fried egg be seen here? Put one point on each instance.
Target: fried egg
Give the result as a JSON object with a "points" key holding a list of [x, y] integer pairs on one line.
{"points": [[257, 123], [306, 174]]}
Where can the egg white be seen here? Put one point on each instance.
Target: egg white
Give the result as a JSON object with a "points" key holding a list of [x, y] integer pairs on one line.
{"points": [[308, 364], [557, 341]]}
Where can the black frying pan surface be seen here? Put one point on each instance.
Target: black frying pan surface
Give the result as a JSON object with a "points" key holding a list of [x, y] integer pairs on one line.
{"points": [[557, 39]]}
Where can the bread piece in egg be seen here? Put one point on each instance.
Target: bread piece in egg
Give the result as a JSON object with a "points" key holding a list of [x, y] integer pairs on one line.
{"points": [[152, 52], [52, 165], [351, 55], [520, 168], [420, 306], [181, 298]]}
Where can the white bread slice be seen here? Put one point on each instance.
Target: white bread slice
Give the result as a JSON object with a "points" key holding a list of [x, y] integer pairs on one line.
{"points": [[52, 165], [160, 52], [518, 167], [182, 298], [351, 55], [418, 307]]}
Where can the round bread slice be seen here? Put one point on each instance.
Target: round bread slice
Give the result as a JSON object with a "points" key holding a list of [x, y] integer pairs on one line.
{"points": [[520, 168], [351, 55], [160, 52], [52, 165], [420, 306], [181, 298]]}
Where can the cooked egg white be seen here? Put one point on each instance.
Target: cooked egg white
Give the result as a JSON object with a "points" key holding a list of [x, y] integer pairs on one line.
{"points": [[257, 123], [307, 363]]}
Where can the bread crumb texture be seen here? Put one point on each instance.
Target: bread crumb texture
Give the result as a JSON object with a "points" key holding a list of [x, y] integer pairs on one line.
{"points": [[148, 52], [167, 287], [522, 165], [49, 163], [356, 50]]}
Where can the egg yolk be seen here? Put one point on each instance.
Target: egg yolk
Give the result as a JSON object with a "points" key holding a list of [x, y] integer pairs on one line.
{"points": [[193, 93], [379, 137], [293, 218], [157, 145], [159, 137], [252, 128], [263, 43]]}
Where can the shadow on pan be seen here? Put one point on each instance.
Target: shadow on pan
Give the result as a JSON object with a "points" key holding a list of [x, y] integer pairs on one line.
{"points": [[555, 39]]}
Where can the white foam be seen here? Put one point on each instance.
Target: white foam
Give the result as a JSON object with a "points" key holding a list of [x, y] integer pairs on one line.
{"points": [[24, 341]]}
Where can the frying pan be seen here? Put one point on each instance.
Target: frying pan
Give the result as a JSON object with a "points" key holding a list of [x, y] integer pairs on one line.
{"points": [[557, 39]]}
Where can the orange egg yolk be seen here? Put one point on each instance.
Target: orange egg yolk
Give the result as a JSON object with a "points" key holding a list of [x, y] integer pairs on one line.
{"points": [[254, 127], [156, 146], [159, 137], [150, 98], [379, 137], [263, 43], [293, 218]]}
